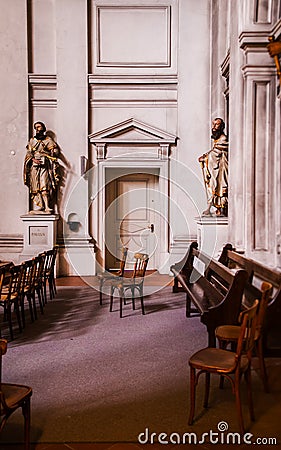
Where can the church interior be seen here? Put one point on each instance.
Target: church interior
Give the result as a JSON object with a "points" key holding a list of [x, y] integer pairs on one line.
{"points": [[141, 178]]}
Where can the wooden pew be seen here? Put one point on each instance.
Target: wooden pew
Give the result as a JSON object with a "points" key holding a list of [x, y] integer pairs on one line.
{"points": [[216, 291], [258, 273]]}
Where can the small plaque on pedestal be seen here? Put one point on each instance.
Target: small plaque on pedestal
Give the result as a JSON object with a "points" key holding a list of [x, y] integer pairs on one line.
{"points": [[40, 233], [212, 234]]}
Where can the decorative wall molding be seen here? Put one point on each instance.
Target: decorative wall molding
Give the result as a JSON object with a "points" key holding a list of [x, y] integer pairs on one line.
{"points": [[276, 30], [262, 149], [133, 92], [263, 12], [146, 43], [128, 80], [133, 104], [43, 90], [258, 71], [11, 241], [136, 136]]}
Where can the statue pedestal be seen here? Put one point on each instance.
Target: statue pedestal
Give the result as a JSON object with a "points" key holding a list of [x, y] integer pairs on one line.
{"points": [[212, 234], [40, 233]]}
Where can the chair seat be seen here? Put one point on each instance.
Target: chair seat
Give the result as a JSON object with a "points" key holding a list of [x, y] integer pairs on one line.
{"points": [[231, 333], [108, 276], [217, 360], [126, 282], [228, 332], [15, 394]]}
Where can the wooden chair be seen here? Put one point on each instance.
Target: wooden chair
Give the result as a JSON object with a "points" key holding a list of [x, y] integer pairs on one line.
{"points": [[12, 397], [10, 294], [49, 272], [38, 282], [109, 276], [134, 283], [33, 285], [26, 265], [27, 288], [229, 334], [229, 364]]}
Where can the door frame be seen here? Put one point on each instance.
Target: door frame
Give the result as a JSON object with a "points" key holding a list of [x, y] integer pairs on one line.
{"points": [[163, 167]]}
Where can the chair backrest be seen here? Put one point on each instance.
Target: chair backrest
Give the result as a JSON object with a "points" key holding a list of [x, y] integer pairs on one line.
{"points": [[141, 261], [40, 263], [2, 277], [28, 273], [15, 280], [54, 256], [124, 253], [246, 340], [50, 259]]}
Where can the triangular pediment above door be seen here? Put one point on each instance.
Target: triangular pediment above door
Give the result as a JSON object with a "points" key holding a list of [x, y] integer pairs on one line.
{"points": [[132, 131]]}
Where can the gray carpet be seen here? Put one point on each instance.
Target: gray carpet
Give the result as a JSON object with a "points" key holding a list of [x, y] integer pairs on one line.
{"points": [[99, 378]]}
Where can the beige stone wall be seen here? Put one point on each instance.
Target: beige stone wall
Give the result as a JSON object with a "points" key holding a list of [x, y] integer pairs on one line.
{"points": [[83, 66]]}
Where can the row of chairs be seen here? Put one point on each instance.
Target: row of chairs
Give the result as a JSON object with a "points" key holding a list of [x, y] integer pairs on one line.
{"points": [[18, 284], [24, 283]]}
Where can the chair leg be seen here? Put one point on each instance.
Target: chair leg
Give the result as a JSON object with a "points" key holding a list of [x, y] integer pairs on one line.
{"points": [[188, 306], [22, 311], [207, 389], [176, 285], [259, 348], [26, 415], [30, 310], [32, 298], [52, 283], [111, 298], [101, 286], [141, 299], [133, 298], [192, 395], [238, 402], [223, 345], [248, 379], [45, 290], [120, 304], [142, 305], [39, 294], [17, 311], [9, 318]]}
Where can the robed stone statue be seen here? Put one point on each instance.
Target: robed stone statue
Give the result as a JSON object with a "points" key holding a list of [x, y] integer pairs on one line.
{"points": [[41, 171], [214, 166]]}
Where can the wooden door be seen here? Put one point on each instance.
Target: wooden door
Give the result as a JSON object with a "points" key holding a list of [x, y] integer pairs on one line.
{"points": [[130, 218]]}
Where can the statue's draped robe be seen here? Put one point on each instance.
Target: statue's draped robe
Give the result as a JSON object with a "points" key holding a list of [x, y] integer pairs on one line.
{"points": [[41, 178], [215, 172]]}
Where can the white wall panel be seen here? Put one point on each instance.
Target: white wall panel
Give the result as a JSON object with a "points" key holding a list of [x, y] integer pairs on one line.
{"points": [[133, 36], [139, 36], [42, 36]]}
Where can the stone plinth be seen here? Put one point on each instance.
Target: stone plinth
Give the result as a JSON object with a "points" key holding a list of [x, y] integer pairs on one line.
{"points": [[212, 234], [77, 256], [40, 233]]}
